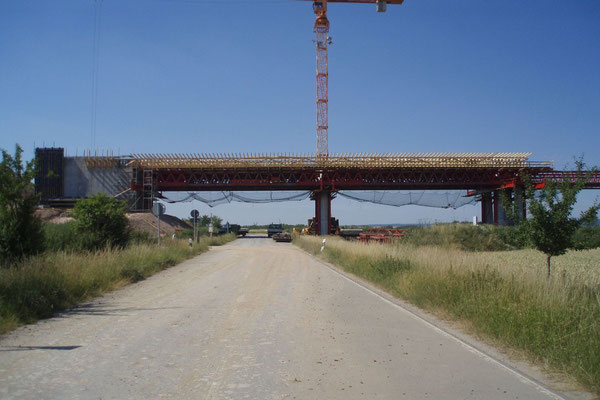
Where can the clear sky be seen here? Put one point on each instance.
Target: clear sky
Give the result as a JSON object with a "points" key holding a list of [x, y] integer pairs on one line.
{"points": [[239, 76]]}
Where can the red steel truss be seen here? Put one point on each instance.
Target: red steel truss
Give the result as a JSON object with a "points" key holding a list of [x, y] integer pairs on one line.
{"points": [[349, 179], [364, 171]]}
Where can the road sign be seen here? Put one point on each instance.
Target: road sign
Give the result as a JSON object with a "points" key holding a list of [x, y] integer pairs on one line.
{"points": [[158, 209], [194, 213]]}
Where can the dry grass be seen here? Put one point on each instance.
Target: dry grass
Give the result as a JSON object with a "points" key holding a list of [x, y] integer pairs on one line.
{"points": [[504, 295], [41, 286]]}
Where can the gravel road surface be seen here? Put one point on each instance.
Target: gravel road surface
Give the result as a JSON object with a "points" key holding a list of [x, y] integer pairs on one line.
{"points": [[253, 319]]}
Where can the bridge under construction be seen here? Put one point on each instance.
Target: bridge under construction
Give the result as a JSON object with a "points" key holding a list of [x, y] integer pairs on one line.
{"points": [[145, 178]]}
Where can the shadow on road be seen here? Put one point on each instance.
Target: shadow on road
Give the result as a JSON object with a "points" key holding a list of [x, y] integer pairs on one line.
{"points": [[99, 309], [23, 348]]}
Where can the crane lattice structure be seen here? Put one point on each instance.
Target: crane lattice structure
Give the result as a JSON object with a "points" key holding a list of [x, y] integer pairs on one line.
{"points": [[323, 41]]}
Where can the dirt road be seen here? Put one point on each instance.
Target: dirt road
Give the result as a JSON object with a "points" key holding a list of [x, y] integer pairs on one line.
{"points": [[250, 320]]}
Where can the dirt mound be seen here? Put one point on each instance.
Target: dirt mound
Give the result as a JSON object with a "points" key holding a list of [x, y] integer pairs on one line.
{"points": [[169, 224], [138, 221], [52, 215]]}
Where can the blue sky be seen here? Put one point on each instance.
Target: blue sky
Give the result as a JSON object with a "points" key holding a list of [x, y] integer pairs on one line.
{"points": [[238, 76]]}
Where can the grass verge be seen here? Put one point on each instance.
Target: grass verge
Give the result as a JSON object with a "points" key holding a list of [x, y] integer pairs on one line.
{"points": [[503, 295], [42, 285]]}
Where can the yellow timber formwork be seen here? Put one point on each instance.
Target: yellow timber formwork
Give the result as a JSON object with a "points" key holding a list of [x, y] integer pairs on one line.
{"points": [[232, 161], [104, 162]]}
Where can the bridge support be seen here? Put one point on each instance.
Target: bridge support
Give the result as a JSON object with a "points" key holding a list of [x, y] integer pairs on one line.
{"points": [[519, 196], [500, 218], [492, 210], [487, 209], [323, 218]]}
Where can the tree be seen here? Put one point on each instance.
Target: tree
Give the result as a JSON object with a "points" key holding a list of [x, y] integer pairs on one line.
{"points": [[217, 222], [101, 222], [21, 231], [551, 227], [205, 220]]}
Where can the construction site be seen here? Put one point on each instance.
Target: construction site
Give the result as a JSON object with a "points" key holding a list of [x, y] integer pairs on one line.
{"points": [[143, 179]]}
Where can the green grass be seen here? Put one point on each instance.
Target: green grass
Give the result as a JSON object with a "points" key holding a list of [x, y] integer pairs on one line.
{"points": [[465, 236], [468, 237], [40, 286], [503, 295]]}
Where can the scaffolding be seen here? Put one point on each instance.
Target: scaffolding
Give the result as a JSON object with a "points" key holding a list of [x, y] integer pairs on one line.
{"points": [[243, 161]]}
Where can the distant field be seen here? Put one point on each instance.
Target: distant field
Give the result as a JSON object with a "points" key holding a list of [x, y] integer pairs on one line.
{"points": [[504, 295], [263, 231]]}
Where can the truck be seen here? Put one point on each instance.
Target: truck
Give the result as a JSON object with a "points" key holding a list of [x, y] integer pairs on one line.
{"points": [[233, 228], [273, 229]]}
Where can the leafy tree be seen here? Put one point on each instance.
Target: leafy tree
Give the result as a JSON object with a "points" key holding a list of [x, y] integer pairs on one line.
{"points": [[205, 220], [551, 227], [217, 222], [21, 232], [101, 222]]}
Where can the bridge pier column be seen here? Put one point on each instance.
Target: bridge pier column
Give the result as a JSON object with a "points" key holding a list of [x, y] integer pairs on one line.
{"points": [[322, 200], [500, 217], [487, 209], [499, 213], [520, 200]]}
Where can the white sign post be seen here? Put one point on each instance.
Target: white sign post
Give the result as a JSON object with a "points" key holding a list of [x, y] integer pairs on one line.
{"points": [[210, 229]]}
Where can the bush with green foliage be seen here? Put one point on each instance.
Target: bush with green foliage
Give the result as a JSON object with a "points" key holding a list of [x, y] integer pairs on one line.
{"points": [[65, 237], [465, 236], [100, 221], [587, 237], [20, 231], [205, 220], [551, 227]]}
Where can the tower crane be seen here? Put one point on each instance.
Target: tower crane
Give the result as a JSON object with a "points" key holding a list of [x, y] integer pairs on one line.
{"points": [[323, 41]]}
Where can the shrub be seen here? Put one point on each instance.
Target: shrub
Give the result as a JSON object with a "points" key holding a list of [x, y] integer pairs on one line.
{"points": [[586, 237], [20, 231], [100, 220], [468, 237]]}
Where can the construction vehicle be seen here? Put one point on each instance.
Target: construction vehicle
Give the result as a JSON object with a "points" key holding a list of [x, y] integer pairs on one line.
{"points": [[233, 228], [282, 237], [334, 227]]}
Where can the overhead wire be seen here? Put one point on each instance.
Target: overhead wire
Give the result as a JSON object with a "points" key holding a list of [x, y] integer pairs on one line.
{"points": [[95, 67]]}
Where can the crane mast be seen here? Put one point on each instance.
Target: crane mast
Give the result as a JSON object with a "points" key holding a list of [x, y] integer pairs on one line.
{"points": [[323, 41], [322, 33]]}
